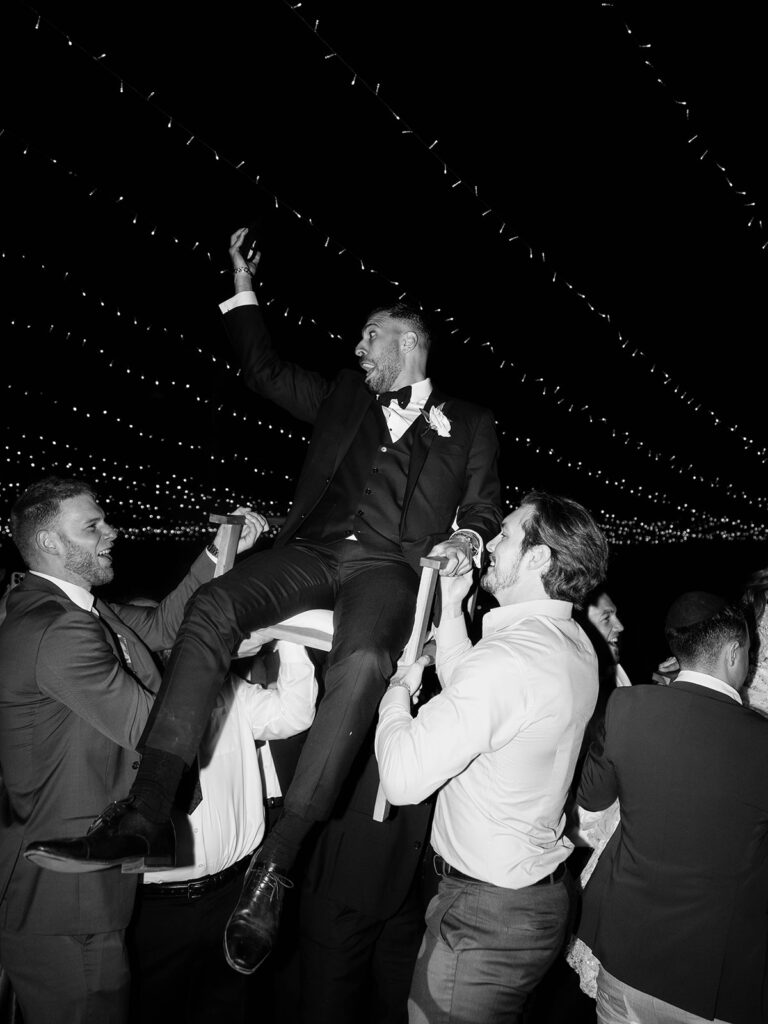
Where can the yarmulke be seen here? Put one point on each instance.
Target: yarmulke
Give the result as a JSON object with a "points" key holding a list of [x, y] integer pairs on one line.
{"points": [[692, 608]]}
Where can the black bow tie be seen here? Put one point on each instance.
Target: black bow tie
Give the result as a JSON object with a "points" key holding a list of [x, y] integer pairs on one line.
{"points": [[402, 397]]}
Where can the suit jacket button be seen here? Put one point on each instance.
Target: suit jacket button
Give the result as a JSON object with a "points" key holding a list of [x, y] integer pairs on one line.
{"points": [[135, 766], [383, 448], [368, 490], [417, 845], [359, 512]]}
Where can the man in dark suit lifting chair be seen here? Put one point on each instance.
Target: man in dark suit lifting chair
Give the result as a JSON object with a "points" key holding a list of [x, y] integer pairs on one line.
{"points": [[77, 682]]}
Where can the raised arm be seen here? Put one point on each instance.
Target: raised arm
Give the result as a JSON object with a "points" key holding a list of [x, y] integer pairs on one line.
{"points": [[298, 391]]}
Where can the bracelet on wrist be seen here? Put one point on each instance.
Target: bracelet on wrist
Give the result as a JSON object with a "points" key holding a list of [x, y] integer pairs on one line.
{"points": [[213, 550], [243, 270], [398, 682]]}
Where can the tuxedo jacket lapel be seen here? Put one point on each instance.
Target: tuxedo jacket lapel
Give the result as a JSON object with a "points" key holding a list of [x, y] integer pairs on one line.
{"points": [[344, 432], [422, 443]]}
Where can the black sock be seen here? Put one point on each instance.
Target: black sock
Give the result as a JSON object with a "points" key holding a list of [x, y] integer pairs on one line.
{"points": [[283, 843], [155, 785]]}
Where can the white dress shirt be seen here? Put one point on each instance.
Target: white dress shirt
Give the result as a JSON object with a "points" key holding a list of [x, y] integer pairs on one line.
{"points": [[228, 824], [398, 420], [501, 739], [78, 595], [711, 682]]}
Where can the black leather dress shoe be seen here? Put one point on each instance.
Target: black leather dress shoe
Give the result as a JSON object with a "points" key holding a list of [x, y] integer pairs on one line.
{"points": [[121, 835], [252, 928]]}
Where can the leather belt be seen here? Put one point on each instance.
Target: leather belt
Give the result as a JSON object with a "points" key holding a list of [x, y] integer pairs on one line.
{"points": [[195, 887], [448, 871]]}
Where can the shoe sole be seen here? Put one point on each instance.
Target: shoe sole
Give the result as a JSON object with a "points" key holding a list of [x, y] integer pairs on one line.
{"points": [[66, 866]]}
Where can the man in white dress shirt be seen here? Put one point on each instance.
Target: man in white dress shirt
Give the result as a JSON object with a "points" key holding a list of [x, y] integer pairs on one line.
{"points": [[180, 972], [501, 740]]}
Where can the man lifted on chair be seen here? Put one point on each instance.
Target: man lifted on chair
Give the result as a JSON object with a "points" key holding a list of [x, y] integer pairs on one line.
{"points": [[384, 478]]}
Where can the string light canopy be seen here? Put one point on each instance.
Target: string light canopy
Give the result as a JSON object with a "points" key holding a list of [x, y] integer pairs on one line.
{"points": [[642, 359], [542, 393], [538, 385]]}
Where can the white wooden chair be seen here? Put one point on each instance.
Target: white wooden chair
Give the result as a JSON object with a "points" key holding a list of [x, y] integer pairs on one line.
{"points": [[315, 628]]}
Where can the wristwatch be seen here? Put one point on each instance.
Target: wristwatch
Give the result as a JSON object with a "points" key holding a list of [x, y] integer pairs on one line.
{"points": [[473, 541]]}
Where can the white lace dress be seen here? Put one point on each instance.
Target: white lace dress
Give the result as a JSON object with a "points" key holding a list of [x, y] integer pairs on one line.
{"points": [[755, 693], [596, 828]]}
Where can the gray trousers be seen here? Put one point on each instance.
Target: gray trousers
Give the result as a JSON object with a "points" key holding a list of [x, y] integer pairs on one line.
{"points": [[485, 950]]}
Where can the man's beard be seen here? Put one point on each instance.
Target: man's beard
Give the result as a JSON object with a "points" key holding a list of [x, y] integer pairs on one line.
{"points": [[493, 582], [86, 565], [385, 373]]}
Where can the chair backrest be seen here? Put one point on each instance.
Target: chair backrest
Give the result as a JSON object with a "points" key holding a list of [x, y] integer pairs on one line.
{"points": [[232, 528]]}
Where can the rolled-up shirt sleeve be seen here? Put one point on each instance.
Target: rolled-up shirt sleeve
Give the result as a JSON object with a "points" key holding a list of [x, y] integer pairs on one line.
{"points": [[286, 707]]}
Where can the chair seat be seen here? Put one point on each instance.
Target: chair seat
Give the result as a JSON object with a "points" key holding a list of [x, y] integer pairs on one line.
{"points": [[311, 629]]}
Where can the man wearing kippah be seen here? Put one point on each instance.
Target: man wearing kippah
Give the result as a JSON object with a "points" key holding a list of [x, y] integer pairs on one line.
{"points": [[676, 908]]}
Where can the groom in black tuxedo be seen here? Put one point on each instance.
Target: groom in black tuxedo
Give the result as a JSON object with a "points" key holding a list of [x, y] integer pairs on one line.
{"points": [[385, 477]]}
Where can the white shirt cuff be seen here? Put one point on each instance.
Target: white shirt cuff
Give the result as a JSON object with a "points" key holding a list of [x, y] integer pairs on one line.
{"points": [[241, 299]]}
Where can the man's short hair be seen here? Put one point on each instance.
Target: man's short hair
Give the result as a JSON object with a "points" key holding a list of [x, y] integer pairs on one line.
{"points": [[579, 550], [702, 641], [38, 507], [413, 316]]}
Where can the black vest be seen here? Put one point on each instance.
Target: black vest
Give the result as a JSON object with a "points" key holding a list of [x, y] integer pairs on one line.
{"points": [[365, 496]]}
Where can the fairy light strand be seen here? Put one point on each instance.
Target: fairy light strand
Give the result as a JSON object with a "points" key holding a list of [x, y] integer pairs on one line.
{"points": [[752, 217], [688, 401], [491, 216], [636, 353]]}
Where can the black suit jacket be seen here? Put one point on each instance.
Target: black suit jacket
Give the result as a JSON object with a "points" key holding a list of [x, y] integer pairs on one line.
{"points": [[678, 903], [75, 694], [448, 477]]}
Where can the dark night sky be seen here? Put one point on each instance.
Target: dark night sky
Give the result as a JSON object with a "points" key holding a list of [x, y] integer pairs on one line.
{"points": [[549, 110]]}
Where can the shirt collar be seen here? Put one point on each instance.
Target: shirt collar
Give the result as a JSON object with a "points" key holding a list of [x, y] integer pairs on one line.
{"points": [[509, 614], [421, 391], [711, 682], [79, 595]]}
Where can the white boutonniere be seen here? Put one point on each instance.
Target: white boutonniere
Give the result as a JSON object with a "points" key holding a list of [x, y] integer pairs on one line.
{"points": [[438, 421]]}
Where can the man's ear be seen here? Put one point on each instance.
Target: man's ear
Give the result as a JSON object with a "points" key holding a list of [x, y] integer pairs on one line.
{"points": [[733, 653], [48, 542], [539, 557], [409, 341]]}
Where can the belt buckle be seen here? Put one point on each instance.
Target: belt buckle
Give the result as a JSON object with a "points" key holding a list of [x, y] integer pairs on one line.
{"points": [[195, 890]]}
